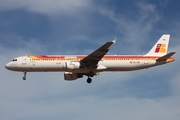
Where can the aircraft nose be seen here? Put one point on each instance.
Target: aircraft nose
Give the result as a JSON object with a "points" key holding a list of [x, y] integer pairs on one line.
{"points": [[7, 66]]}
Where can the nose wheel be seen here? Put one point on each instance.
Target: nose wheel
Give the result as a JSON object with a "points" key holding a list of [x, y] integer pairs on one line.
{"points": [[24, 77]]}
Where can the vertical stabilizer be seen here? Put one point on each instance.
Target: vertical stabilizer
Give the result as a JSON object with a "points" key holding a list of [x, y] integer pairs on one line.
{"points": [[161, 47]]}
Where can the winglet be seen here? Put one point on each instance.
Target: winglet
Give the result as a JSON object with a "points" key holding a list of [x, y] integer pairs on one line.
{"points": [[114, 41]]}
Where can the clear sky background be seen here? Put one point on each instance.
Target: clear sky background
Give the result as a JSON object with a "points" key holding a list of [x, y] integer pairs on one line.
{"points": [[41, 27]]}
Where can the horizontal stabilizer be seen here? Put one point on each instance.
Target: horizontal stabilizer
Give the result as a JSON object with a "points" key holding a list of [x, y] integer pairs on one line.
{"points": [[165, 57]]}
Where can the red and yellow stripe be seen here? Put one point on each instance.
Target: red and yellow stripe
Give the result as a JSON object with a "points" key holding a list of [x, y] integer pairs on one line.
{"points": [[104, 58]]}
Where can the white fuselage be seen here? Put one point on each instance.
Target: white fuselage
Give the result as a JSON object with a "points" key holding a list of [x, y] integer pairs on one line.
{"points": [[59, 63]]}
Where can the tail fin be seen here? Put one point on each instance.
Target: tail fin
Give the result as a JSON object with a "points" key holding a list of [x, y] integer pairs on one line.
{"points": [[161, 47]]}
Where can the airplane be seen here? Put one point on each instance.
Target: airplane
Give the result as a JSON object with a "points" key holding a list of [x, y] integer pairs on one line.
{"points": [[77, 66]]}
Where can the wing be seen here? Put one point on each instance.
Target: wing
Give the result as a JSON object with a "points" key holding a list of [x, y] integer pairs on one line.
{"points": [[92, 59]]}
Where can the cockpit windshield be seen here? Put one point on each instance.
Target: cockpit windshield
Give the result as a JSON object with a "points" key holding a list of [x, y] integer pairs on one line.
{"points": [[14, 60]]}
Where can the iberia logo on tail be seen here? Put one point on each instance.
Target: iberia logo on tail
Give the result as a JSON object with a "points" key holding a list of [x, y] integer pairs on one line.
{"points": [[161, 48]]}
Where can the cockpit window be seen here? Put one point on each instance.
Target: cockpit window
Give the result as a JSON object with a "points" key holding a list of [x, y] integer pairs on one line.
{"points": [[14, 60]]}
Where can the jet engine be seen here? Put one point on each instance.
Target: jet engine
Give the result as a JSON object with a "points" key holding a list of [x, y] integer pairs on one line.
{"points": [[72, 65], [70, 76]]}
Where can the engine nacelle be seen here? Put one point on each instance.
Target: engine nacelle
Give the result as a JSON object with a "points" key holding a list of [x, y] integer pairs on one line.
{"points": [[69, 76], [73, 65]]}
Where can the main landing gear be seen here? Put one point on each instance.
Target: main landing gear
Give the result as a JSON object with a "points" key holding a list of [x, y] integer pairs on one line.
{"points": [[89, 80], [24, 77], [91, 74]]}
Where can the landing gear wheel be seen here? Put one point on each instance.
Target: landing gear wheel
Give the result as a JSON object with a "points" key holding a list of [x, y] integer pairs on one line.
{"points": [[91, 74], [24, 78], [89, 80]]}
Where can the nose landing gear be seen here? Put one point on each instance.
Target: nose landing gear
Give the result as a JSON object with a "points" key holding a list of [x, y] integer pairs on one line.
{"points": [[24, 77]]}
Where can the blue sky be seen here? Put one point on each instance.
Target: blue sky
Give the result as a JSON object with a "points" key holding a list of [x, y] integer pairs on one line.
{"points": [[40, 27]]}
